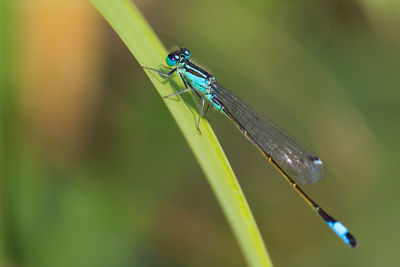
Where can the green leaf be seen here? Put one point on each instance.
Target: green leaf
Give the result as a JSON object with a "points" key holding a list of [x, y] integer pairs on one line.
{"points": [[138, 36]]}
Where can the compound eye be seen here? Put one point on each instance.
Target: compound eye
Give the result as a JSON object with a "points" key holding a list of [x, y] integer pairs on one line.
{"points": [[172, 59], [186, 53]]}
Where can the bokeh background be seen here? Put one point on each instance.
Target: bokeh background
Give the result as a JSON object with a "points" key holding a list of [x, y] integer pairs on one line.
{"points": [[94, 171]]}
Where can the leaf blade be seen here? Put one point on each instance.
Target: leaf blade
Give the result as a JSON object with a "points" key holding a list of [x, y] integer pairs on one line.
{"points": [[138, 36]]}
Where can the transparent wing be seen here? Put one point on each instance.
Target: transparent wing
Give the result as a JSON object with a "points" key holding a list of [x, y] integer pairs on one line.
{"points": [[290, 155]]}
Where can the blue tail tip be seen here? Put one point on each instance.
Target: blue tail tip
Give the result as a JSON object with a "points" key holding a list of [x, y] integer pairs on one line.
{"points": [[353, 243], [343, 233]]}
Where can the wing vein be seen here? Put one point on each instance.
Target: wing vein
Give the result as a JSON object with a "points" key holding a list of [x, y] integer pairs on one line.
{"points": [[290, 155]]}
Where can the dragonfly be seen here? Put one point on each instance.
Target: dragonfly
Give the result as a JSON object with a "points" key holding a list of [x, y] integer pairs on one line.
{"points": [[287, 155]]}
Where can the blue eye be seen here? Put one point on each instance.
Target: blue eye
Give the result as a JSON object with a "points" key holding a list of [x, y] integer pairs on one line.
{"points": [[171, 60], [186, 53]]}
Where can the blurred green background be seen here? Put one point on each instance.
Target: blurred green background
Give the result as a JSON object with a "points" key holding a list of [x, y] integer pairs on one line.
{"points": [[94, 171]]}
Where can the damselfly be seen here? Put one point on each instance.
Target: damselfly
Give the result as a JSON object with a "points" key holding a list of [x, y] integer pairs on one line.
{"points": [[290, 158]]}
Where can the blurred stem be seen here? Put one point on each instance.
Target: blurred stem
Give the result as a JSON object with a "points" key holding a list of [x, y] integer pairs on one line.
{"points": [[383, 17], [8, 240], [138, 36]]}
